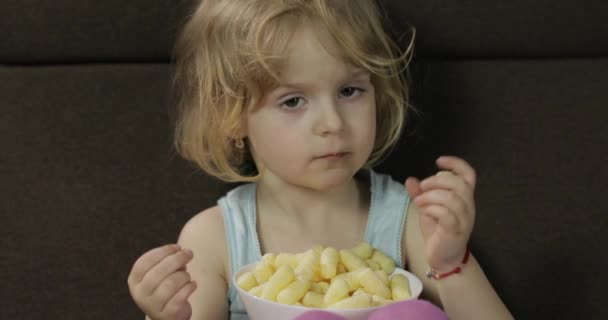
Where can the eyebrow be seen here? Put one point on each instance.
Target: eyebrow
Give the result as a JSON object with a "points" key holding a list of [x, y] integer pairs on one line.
{"points": [[359, 73]]}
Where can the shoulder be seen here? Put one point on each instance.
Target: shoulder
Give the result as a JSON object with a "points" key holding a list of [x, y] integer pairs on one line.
{"points": [[205, 235], [203, 225], [385, 184]]}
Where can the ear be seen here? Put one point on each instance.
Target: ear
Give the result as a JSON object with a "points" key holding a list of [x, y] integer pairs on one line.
{"points": [[235, 130], [242, 130]]}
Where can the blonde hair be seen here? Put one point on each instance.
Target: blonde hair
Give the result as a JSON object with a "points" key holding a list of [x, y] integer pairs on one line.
{"points": [[230, 53]]}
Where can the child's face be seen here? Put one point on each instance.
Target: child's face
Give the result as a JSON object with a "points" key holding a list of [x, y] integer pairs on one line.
{"points": [[323, 108]]}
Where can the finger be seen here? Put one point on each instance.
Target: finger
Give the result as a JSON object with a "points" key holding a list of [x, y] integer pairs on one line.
{"points": [[444, 217], [458, 167], [412, 185], [448, 181], [163, 269], [148, 260], [448, 199], [178, 306], [169, 287]]}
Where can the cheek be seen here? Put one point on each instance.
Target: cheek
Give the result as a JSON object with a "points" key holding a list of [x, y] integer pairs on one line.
{"points": [[371, 130], [271, 139], [365, 125], [366, 132], [362, 131]]}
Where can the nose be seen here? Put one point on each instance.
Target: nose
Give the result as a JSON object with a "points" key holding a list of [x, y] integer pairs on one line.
{"points": [[329, 118]]}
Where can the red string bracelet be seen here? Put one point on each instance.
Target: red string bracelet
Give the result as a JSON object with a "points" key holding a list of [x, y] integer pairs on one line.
{"points": [[432, 274]]}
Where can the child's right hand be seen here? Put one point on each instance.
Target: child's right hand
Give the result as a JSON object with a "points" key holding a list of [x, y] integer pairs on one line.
{"points": [[160, 284]]}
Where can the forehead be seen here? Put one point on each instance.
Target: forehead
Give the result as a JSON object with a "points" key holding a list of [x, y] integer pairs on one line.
{"points": [[312, 55]]}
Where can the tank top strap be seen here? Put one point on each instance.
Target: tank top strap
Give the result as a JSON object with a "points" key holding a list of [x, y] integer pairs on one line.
{"points": [[239, 214], [386, 220]]}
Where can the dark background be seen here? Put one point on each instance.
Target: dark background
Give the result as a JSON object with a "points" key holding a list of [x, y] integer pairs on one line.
{"points": [[89, 180]]}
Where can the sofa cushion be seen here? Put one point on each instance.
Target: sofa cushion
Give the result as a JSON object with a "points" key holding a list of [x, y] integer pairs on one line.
{"points": [[71, 31], [90, 181], [535, 131]]}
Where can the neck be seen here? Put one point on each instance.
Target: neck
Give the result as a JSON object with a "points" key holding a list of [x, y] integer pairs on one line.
{"points": [[308, 207]]}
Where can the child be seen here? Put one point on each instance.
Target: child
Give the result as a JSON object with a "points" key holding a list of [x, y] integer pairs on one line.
{"points": [[301, 98]]}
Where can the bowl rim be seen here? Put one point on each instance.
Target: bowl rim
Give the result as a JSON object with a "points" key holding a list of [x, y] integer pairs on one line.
{"points": [[304, 308]]}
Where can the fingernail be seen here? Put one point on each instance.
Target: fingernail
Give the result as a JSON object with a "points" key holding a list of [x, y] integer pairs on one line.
{"points": [[188, 252]]}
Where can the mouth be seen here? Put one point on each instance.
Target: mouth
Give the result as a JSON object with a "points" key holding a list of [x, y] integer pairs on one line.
{"points": [[334, 156]]}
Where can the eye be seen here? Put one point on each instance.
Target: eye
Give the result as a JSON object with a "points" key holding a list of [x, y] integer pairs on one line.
{"points": [[291, 103], [350, 91]]}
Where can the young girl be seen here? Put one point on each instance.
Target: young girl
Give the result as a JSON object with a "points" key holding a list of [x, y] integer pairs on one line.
{"points": [[301, 98]]}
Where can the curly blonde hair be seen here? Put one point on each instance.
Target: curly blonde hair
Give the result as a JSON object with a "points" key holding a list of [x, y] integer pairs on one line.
{"points": [[230, 53]]}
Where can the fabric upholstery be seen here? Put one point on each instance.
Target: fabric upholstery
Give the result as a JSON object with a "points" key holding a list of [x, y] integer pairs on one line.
{"points": [[72, 31], [89, 179]]}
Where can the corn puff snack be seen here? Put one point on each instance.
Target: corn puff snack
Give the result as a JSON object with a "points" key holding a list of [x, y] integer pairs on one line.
{"points": [[324, 277], [400, 286], [329, 263], [279, 280], [294, 292], [364, 250]]}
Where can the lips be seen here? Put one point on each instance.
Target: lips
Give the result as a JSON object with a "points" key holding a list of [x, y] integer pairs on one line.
{"points": [[333, 155]]}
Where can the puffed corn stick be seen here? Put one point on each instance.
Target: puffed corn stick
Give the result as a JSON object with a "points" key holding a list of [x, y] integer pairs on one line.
{"points": [[313, 299], [351, 280], [308, 265], [373, 264], [285, 259], [337, 291], [370, 281], [247, 281], [319, 287], [279, 280], [293, 292], [329, 262], [400, 287], [379, 301], [362, 300], [318, 249], [262, 272], [268, 259], [383, 276], [351, 261], [364, 250], [257, 291], [387, 264]]}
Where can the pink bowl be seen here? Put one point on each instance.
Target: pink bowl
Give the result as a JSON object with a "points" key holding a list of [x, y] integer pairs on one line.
{"points": [[260, 309]]}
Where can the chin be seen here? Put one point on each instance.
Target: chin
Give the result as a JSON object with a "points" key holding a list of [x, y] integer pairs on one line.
{"points": [[330, 179]]}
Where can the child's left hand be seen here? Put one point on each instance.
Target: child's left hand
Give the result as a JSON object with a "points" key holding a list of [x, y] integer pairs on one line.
{"points": [[447, 211]]}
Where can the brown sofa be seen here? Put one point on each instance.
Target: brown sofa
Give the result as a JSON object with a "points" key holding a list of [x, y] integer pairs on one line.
{"points": [[89, 180]]}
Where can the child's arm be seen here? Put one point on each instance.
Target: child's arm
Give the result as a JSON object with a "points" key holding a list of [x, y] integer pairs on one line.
{"points": [[185, 282], [439, 222], [467, 295], [205, 235]]}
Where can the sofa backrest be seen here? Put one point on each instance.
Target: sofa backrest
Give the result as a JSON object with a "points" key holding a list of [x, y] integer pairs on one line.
{"points": [[90, 180]]}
